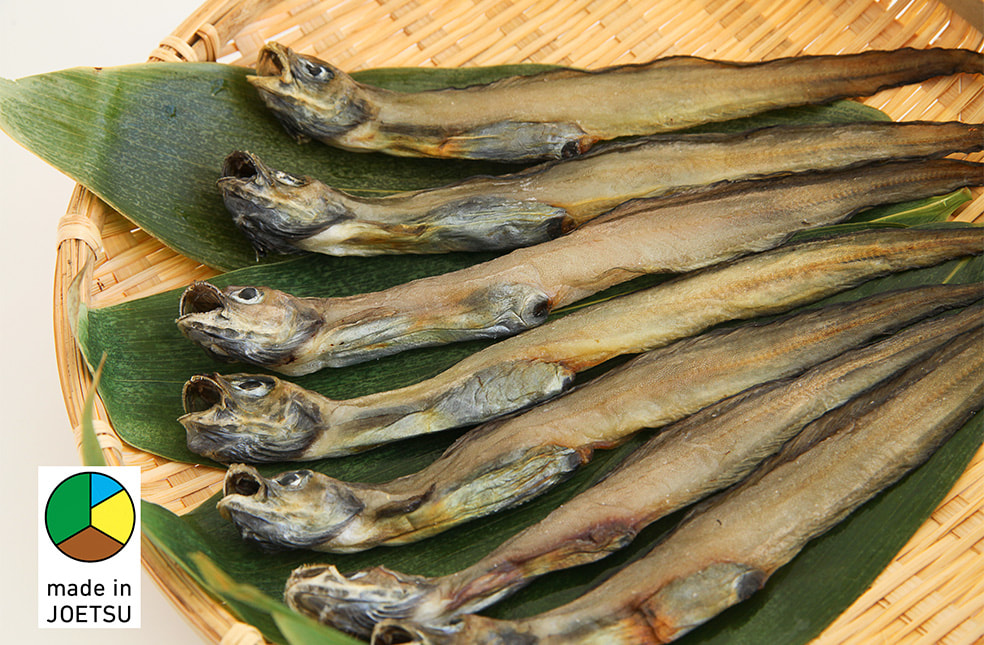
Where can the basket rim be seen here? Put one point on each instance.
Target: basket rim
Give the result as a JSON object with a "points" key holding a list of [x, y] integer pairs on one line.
{"points": [[197, 38]]}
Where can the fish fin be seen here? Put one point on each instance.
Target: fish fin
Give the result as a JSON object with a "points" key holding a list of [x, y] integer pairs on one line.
{"points": [[404, 505]]}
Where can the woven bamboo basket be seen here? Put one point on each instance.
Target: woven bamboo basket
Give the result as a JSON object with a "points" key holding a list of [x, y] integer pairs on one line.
{"points": [[933, 592]]}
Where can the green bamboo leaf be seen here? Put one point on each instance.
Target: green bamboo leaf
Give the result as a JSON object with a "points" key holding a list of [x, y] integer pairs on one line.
{"points": [[150, 139], [165, 532], [922, 211], [91, 452]]}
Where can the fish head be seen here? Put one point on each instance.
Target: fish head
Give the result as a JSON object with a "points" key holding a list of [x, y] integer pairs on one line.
{"points": [[355, 603], [274, 208], [311, 98], [250, 418], [257, 325], [295, 509]]}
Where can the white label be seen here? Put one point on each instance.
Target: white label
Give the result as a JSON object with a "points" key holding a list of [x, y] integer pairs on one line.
{"points": [[89, 547]]}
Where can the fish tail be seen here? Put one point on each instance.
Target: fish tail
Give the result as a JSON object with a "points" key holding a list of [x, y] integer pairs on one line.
{"points": [[894, 182], [869, 72], [951, 135]]}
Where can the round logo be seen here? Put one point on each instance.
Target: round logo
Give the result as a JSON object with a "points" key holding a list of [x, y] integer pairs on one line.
{"points": [[89, 517]]}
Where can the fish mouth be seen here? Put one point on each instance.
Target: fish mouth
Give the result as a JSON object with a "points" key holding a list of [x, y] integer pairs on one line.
{"points": [[244, 481], [201, 397], [202, 306], [278, 87], [201, 298], [265, 202], [201, 393], [274, 60], [247, 187], [244, 494], [244, 166]]}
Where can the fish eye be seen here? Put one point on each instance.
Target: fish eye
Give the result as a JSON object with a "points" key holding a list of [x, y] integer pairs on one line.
{"points": [[288, 179], [248, 295], [316, 71], [254, 386], [293, 479]]}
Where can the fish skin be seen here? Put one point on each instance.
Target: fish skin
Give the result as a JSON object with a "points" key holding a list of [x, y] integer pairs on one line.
{"points": [[285, 213], [275, 420], [703, 453], [506, 462], [563, 113], [517, 291], [728, 546]]}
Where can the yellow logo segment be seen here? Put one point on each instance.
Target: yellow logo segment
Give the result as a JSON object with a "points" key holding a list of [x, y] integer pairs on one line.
{"points": [[114, 517]]}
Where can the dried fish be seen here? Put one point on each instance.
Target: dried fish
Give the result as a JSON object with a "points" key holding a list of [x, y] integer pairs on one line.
{"points": [[282, 212], [259, 418], [517, 291], [506, 462], [728, 547], [689, 459], [562, 113]]}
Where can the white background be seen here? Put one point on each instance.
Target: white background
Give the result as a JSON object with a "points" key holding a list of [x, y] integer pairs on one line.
{"points": [[37, 37]]}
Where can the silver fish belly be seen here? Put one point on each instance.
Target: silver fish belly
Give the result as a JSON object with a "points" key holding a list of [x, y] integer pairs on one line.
{"points": [[259, 418], [281, 212], [517, 291], [506, 462], [563, 113], [687, 460]]}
